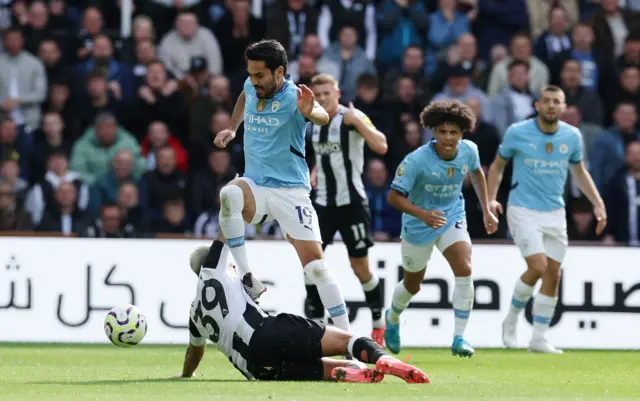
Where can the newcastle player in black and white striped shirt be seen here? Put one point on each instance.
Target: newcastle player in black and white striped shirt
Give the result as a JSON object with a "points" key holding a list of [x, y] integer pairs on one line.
{"points": [[340, 199]]}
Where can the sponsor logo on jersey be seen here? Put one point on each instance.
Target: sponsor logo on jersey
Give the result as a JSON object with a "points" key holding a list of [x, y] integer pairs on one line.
{"points": [[548, 147], [270, 121], [327, 148]]}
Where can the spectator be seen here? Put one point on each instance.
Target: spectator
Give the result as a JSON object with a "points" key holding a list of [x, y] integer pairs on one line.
{"points": [[41, 197], [145, 55], [289, 21], [92, 25], [402, 23], [631, 54], [540, 14], [101, 61], [12, 216], [110, 224], [99, 97], [163, 12], [368, 101], [92, 153], [165, 180], [37, 28], [358, 14], [207, 182], [554, 42], [189, 40], [405, 106], [622, 198], [134, 217], [143, 31], [23, 82], [520, 50], [484, 134], [15, 146], [412, 66], [105, 188], [581, 223], [353, 61], [159, 100], [66, 218], [608, 150], [311, 47], [306, 70], [590, 131], [445, 28], [174, 218], [10, 174], [499, 21], [57, 70], [611, 25], [49, 139], [627, 91], [195, 84], [464, 53], [385, 220], [459, 87], [158, 137], [59, 101], [514, 103], [412, 139], [586, 99]]}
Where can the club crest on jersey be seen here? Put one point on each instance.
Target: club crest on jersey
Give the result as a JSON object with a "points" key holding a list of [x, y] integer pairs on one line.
{"points": [[275, 106], [563, 148], [548, 147], [465, 169], [261, 105], [450, 172]]}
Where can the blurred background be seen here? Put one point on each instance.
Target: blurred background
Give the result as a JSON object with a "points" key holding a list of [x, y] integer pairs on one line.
{"points": [[108, 108]]}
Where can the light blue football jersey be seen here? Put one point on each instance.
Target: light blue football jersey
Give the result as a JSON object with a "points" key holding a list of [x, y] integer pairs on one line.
{"points": [[540, 163], [274, 138], [433, 183]]}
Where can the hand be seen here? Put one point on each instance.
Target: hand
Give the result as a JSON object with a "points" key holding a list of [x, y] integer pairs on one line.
{"points": [[314, 176], [495, 207], [609, 240], [224, 137], [116, 89], [191, 82], [83, 52], [601, 217], [490, 222], [10, 104], [306, 100], [146, 94], [350, 117], [170, 87], [433, 218]]}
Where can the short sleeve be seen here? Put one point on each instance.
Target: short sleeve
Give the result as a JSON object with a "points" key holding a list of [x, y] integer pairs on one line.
{"points": [[507, 148], [405, 177], [195, 338], [365, 118], [577, 153], [474, 162]]}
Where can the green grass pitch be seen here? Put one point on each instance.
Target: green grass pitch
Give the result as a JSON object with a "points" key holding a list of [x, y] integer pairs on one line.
{"points": [[36, 372]]}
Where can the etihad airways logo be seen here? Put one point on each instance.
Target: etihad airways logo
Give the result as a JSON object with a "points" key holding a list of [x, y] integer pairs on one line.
{"points": [[260, 120]]}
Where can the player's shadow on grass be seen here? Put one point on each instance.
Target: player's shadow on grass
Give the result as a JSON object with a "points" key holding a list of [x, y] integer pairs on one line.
{"points": [[120, 382]]}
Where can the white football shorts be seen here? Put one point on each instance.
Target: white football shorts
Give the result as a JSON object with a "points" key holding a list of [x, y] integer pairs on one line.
{"points": [[536, 231], [290, 207], [416, 257]]}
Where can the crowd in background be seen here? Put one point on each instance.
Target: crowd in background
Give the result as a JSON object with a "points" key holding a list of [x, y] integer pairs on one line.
{"points": [[105, 136]]}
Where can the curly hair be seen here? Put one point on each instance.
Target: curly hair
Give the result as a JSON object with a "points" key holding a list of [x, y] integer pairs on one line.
{"points": [[448, 111]]}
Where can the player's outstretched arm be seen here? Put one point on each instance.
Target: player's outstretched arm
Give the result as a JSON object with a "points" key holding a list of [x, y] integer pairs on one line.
{"points": [[496, 172], [588, 188], [192, 359], [375, 139], [309, 108], [479, 182], [227, 135]]}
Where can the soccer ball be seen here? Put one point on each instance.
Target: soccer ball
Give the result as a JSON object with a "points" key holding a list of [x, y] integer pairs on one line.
{"points": [[125, 326]]}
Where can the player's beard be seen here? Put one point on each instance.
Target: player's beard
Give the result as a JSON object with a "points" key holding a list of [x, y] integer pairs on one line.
{"points": [[270, 91], [550, 121]]}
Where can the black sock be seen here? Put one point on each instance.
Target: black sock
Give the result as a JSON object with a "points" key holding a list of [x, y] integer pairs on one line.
{"points": [[313, 307], [212, 259], [373, 351], [375, 300]]}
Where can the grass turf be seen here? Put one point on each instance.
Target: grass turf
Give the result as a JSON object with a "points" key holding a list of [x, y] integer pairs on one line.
{"points": [[105, 372]]}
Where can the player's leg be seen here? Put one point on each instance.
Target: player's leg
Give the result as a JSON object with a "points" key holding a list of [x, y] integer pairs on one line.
{"points": [[455, 245], [338, 342], [313, 307], [296, 216], [354, 227], [414, 262], [525, 230]]}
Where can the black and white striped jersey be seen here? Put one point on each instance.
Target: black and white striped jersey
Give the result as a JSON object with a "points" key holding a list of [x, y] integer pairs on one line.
{"points": [[223, 313], [339, 160]]}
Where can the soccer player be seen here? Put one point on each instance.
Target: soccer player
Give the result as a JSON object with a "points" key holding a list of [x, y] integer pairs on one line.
{"points": [[542, 149], [340, 200], [276, 179], [427, 189], [283, 347]]}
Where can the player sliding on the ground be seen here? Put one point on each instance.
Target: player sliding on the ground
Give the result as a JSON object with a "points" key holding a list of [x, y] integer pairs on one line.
{"points": [[542, 150], [284, 347], [427, 189], [276, 180]]}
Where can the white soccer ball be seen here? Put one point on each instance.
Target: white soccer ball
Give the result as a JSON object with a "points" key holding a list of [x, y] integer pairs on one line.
{"points": [[125, 326]]}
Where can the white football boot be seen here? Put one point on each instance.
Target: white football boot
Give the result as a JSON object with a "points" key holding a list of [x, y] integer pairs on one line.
{"points": [[541, 345], [509, 334]]}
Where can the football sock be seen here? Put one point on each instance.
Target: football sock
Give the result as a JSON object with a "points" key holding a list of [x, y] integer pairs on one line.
{"points": [[232, 225], [329, 293], [401, 299], [462, 303], [543, 308], [373, 295], [521, 295]]}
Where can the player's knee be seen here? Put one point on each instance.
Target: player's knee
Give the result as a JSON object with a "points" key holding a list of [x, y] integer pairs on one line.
{"points": [[318, 273], [538, 266], [231, 200]]}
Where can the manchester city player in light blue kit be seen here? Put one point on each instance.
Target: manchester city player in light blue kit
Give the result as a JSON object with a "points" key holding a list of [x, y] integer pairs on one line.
{"points": [[276, 179], [427, 188], [542, 149]]}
